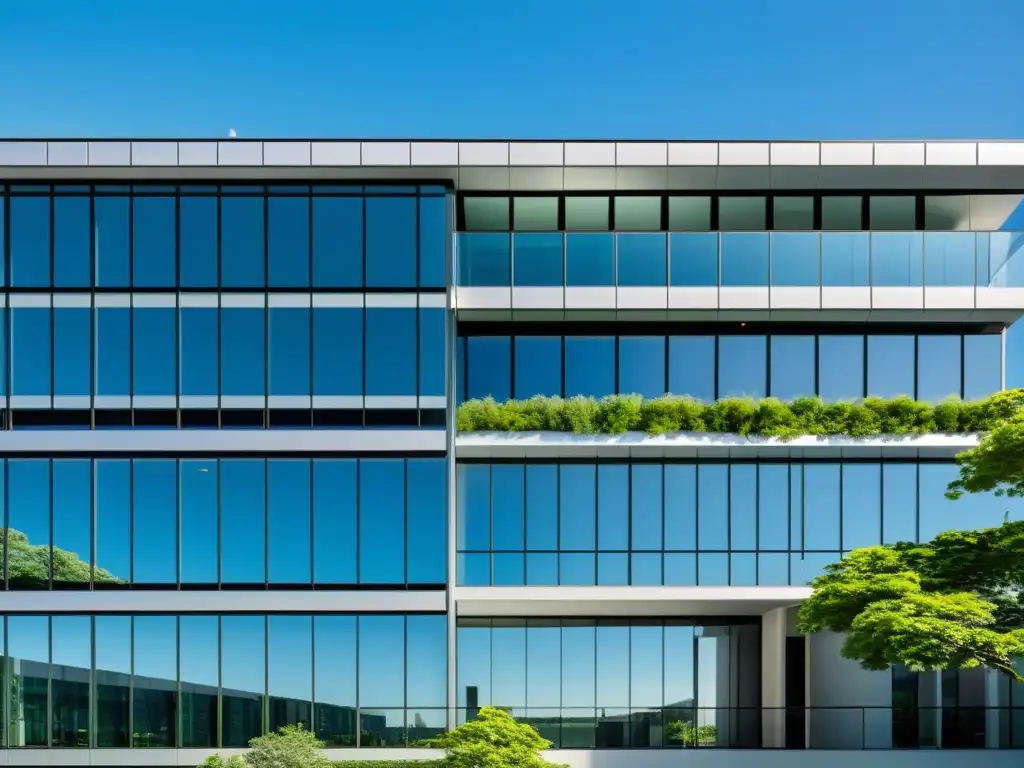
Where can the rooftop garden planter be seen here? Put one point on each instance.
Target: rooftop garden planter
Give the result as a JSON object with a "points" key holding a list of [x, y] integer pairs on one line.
{"points": [[769, 417]]}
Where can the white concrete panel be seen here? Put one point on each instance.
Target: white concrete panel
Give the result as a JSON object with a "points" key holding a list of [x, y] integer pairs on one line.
{"points": [[110, 153], [289, 401], [484, 298], [899, 153], [391, 300], [113, 299], [538, 297], [197, 153], [488, 153], [30, 299], [795, 153], [240, 153], [289, 300], [78, 401], [845, 297], [696, 153], [147, 401], [1001, 153], [641, 153], [589, 153], [113, 401], [23, 153], [391, 401], [435, 153], [642, 298], [795, 297], [589, 297], [154, 300], [72, 300], [693, 297], [433, 300], [155, 153], [433, 401], [68, 153], [991, 298], [338, 299], [897, 297], [385, 153], [199, 401], [30, 401], [208, 300], [847, 153], [743, 297], [536, 153], [286, 153], [743, 153], [951, 153], [247, 402], [242, 300], [948, 297], [335, 153], [337, 401]]}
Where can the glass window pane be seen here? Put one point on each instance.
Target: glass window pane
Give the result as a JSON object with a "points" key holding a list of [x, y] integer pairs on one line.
{"points": [[890, 366], [484, 259], [845, 259], [72, 227], [840, 367], [897, 259], [577, 506], [113, 520], [508, 665], [72, 522], [474, 507], [637, 214], [199, 513], [391, 235], [289, 537], [792, 212], [743, 507], [586, 214], [391, 351], [938, 367], [689, 214], [290, 671], [155, 681], [773, 506], [535, 214], [432, 351], [334, 521], [693, 259], [680, 507], [508, 506], [427, 527], [795, 258], [646, 654], [155, 521], [589, 259], [712, 507], [72, 370], [29, 233], [949, 259], [289, 330], [111, 244], [488, 361], [288, 235], [241, 242], [739, 214], [154, 263], [486, 214], [537, 259], [821, 500], [154, 352], [642, 366], [427, 661], [543, 664], [113, 353], [382, 661], [28, 509], [243, 521], [983, 362], [842, 213], [745, 258], [335, 679], [579, 672], [30, 352], [434, 238], [71, 657], [642, 259], [613, 677], [742, 366], [28, 644], [645, 511], [792, 373], [198, 233], [243, 352], [862, 505], [613, 512], [589, 366], [243, 678], [691, 371], [382, 521], [538, 366], [199, 651], [199, 353], [541, 507], [337, 351], [947, 212], [337, 242], [113, 675], [892, 212], [899, 503]]}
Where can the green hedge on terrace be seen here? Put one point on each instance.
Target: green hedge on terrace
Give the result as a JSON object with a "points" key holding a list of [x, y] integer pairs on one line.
{"points": [[741, 416], [387, 763]]}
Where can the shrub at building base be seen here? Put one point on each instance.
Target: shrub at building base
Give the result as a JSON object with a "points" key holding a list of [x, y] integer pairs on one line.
{"points": [[290, 747], [493, 740]]}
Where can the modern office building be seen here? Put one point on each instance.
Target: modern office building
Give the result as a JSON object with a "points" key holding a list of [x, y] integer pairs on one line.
{"points": [[234, 496]]}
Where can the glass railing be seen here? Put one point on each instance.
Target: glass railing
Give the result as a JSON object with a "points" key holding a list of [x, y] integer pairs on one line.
{"points": [[846, 728], [741, 259]]}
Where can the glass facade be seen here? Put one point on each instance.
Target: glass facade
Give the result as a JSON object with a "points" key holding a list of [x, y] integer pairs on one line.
{"points": [[781, 363], [603, 683], [207, 681], [208, 522], [772, 523]]}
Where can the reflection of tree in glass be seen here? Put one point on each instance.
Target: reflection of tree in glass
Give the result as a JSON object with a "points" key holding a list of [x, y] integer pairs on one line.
{"points": [[28, 564]]}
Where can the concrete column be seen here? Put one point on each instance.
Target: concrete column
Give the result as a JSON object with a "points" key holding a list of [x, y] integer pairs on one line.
{"points": [[773, 678]]}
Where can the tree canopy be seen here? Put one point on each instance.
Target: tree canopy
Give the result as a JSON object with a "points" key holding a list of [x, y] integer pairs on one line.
{"points": [[493, 740]]}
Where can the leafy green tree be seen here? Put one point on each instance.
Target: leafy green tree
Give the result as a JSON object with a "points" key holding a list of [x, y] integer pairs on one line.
{"points": [[952, 603], [290, 747], [493, 740], [690, 735], [28, 565], [996, 464], [216, 761]]}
